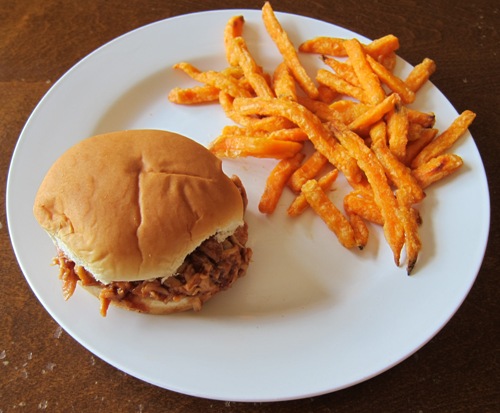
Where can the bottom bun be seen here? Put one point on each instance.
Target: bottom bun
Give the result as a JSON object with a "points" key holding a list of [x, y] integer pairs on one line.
{"points": [[149, 305]]}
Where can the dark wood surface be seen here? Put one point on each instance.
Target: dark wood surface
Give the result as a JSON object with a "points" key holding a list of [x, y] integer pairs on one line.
{"points": [[43, 368]]}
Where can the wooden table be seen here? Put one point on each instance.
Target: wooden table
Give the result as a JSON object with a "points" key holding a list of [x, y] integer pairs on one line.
{"points": [[43, 368]]}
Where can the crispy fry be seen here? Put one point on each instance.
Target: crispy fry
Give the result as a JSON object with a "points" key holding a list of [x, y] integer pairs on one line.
{"points": [[382, 192], [233, 29], [392, 81], [284, 83], [424, 119], [367, 78], [329, 213], [374, 114], [219, 80], [356, 118], [276, 182], [360, 229], [287, 50], [397, 130], [226, 102], [388, 61], [291, 134], [409, 218], [331, 46], [420, 74], [299, 204], [270, 123], [320, 109], [193, 95], [343, 70], [416, 143], [326, 94], [383, 46], [308, 170], [310, 124], [362, 204], [446, 139], [436, 169], [237, 146], [251, 70], [399, 174], [348, 110], [339, 85]]}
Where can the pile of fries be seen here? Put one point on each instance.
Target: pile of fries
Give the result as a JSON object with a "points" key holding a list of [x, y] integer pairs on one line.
{"points": [[353, 118]]}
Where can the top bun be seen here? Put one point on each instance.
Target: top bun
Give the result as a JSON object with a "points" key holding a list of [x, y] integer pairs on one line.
{"points": [[131, 205]]}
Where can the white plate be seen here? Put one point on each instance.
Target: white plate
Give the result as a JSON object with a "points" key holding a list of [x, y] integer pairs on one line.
{"points": [[310, 317]]}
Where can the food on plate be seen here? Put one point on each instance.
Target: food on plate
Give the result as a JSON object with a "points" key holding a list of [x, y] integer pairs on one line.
{"points": [[145, 220], [355, 116]]}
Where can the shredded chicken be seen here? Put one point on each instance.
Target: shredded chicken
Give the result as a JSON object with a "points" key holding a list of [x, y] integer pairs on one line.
{"points": [[212, 267]]}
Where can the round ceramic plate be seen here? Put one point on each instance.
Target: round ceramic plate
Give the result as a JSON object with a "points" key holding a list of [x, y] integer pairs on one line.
{"points": [[310, 317]]}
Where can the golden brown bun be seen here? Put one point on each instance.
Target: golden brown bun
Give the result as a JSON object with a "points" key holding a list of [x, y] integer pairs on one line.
{"points": [[151, 306], [131, 205]]}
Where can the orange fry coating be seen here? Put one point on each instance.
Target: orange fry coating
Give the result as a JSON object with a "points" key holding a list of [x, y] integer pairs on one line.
{"points": [[276, 182], [382, 192], [287, 50], [299, 204], [310, 124], [446, 139], [329, 213]]}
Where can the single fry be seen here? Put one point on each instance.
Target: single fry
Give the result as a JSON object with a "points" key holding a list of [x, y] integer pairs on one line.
{"points": [[420, 74], [339, 85], [276, 182], [233, 29], [424, 119], [237, 146], [397, 130], [362, 204], [367, 78], [290, 134], [287, 50], [299, 204], [410, 221], [334, 46], [384, 46], [320, 137], [326, 94], [436, 169], [382, 193], [394, 83], [284, 83], [374, 114], [446, 139], [219, 80], [308, 170], [330, 46], [193, 95], [329, 213], [251, 70], [360, 229], [343, 70]]}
